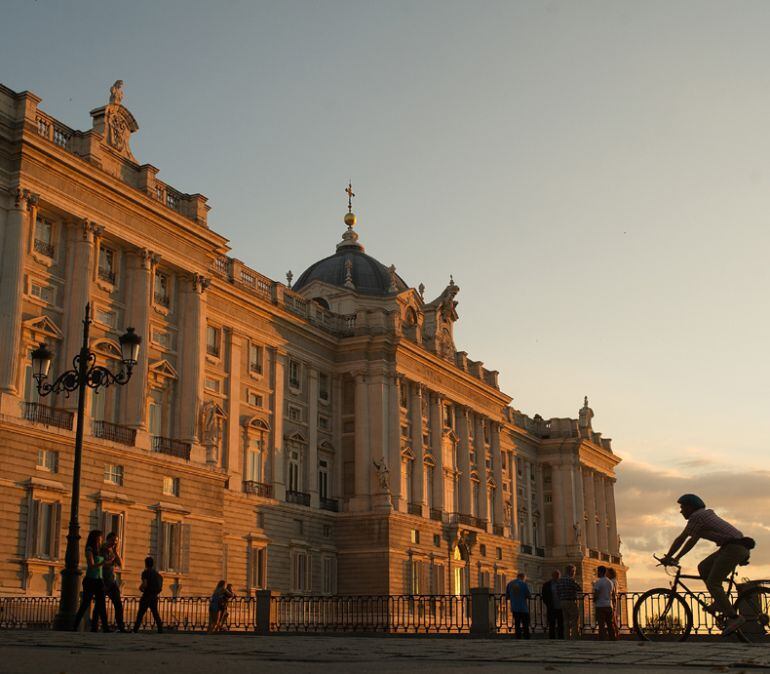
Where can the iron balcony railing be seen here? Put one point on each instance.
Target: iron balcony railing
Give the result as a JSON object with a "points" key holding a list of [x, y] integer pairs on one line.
{"points": [[115, 433], [435, 514], [171, 447], [44, 248], [258, 488], [106, 275], [329, 504], [415, 509], [526, 549], [162, 299], [468, 520], [298, 497], [49, 416]]}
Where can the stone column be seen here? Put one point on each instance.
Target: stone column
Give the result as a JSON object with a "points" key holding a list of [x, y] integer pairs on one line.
{"points": [[541, 528], [17, 233], [436, 424], [497, 472], [602, 507], [528, 471], [192, 356], [398, 499], [139, 270], [463, 460], [312, 436], [590, 502], [580, 505], [418, 473], [559, 504], [514, 524], [232, 459], [481, 467], [379, 437], [363, 462], [612, 530], [336, 410], [277, 458]]}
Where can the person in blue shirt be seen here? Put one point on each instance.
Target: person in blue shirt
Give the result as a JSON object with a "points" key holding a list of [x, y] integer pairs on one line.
{"points": [[518, 594]]}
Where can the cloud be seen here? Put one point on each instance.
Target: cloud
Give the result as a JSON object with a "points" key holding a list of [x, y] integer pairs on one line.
{"points": [[649, 519]]}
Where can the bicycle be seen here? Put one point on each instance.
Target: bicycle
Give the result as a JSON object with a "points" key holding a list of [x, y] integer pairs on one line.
{"points": [[662, 614]]}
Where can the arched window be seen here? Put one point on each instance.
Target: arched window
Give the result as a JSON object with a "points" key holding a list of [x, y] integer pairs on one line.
{"points": [[256, 451], [295, 463], [475, 495], [410, 323], [321, 302]]}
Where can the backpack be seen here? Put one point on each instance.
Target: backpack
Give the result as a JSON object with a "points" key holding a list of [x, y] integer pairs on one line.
{"points": [[154, 582]]}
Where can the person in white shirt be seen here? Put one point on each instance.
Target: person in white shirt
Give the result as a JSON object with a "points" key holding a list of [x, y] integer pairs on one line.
{"points": [[604, 589]]}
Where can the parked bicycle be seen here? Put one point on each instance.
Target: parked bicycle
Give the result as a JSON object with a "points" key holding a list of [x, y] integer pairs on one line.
{"points": [[662, 614]]}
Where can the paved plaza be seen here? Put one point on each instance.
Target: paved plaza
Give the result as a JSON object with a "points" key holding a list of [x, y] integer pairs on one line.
{"points": [[68, 653]]}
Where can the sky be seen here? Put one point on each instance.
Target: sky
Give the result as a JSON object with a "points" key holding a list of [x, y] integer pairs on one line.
{"points": [[594, 175]]}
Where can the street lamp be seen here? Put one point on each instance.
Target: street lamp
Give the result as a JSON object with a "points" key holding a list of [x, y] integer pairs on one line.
{"points": [[85, 373]]}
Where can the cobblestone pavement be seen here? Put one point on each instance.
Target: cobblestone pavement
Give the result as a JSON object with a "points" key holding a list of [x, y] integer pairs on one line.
{"points": [[73, 653]]}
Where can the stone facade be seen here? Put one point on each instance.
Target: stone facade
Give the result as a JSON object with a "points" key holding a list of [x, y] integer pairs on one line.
{"points": [[322, 438]]}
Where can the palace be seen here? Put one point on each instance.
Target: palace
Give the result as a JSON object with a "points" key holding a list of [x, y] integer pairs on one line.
{"points": [[324, 437]]}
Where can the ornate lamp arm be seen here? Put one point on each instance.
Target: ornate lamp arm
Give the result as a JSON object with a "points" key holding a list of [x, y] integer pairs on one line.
{"points": [[96, 377]]}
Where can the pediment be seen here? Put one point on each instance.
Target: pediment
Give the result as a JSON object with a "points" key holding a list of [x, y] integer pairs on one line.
{"points": [[42, 325], [163, 369], [108, 347], [255, 421]]}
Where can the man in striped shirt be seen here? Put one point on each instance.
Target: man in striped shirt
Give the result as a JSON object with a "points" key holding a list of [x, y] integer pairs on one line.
{"points": [[734, 549]]}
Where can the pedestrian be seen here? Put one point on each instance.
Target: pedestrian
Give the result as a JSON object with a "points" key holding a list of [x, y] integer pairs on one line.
{"points": [[112, 560], [518, 593], [549, 595], [613, 576], [151, 587], [224, 602], [215, 606], [603, 588], [93, 585], [569, 594]]}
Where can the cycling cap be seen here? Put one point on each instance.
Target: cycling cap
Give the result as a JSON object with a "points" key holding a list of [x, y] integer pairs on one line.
{"points": [[691, 500]]}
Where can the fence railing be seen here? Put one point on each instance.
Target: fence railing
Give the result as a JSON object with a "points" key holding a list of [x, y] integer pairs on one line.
{"points": [[115, 433], [415, 614], [49, 416]]}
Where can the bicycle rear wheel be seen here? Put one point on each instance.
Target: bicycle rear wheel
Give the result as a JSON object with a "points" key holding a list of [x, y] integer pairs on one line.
{"points": [[662, 615], [754, 605]]}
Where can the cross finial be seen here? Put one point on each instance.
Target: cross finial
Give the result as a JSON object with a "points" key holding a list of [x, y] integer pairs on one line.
{"points": [[350, 193]]}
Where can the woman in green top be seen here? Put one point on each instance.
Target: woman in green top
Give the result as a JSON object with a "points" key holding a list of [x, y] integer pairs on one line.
{"points": [[93, 585]]}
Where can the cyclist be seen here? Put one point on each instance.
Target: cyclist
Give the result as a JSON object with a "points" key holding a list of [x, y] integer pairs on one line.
{"points": [[734, 549]]}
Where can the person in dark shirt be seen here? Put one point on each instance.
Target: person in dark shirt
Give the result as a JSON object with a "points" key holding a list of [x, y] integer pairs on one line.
{"points": [[518, 593], [151, 587], [112, 560], [550, 597]]}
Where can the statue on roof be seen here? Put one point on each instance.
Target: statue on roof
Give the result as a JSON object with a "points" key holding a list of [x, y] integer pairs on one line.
{"points": [[116, 93], [585, 415]]}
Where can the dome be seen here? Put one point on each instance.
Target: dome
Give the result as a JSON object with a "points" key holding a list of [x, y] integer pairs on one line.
{"points": [[350, 267]]}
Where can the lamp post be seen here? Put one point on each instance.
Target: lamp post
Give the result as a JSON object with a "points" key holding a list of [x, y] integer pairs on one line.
{"points": [[85, 373]]}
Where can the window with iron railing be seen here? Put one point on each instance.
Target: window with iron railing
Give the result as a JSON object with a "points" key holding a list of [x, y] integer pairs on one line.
{"points": [[106, 267]]}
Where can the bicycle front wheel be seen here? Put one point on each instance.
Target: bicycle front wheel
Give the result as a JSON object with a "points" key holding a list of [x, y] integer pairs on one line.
{"points": [[754, 605], [662, 615]]}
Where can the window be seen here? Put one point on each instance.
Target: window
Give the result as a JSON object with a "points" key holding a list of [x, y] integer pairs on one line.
{"points": [[155, 416], [212, 340], [329, 575], [414, 536], [162, 338], [294, 482], [105, 317], [295, 370], [255, 358], [211, 384], [323, 478], [295, 414], [106, 268], [404, 394], [161, 294], [43, 528], [448, 416], [324, 423], [48, 459], [483, 550], [300, 576], [323, 386], [112, 523], [174, 546], [258, 568], [253, 398], [327, 530], [548, 498], [254, 460], [41, 292], [171, 486], [113, 474], [437, 540], [499, 552], [44, 237]]}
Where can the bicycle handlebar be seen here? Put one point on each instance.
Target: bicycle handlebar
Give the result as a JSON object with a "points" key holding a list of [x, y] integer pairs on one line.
{"points": [[660, 561]]}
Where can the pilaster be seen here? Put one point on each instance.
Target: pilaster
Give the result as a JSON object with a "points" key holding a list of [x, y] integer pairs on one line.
{"points": [[363, 454], [436, 434], [497, 472], [232, 457], [277, 458], [312, 436], [394, 442], [481, 467], [464, 460], [417, 496]]}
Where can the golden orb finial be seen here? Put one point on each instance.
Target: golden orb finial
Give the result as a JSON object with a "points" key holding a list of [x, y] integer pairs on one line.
{"points": [[350, 219]]}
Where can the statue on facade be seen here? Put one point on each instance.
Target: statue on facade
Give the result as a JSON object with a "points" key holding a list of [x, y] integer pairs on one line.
{"points": [[210, 431], [578, 534], [383, 474]]}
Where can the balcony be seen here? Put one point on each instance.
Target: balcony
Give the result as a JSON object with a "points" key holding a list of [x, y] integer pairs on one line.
{"points": [[415, 509], [162, 299], [106, 274], [48, 416], [298, 497], [115, 433], [497, 529], [526, 549], [435, 514], [540, 552], [469, 520], [258, 488], [171, 447], [330, 504], [44, 248], [593, 554]]}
